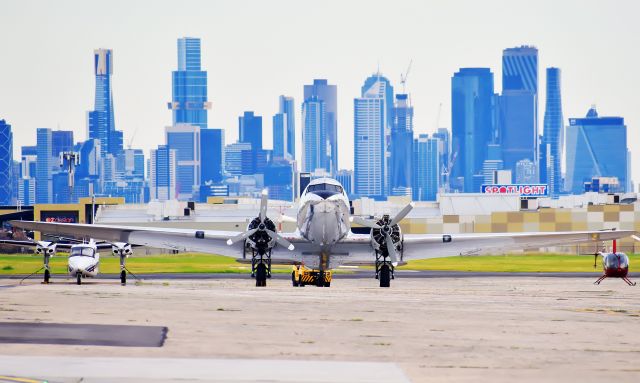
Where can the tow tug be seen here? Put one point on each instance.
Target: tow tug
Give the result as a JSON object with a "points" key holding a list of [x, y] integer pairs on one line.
{"points": [[302, 276]]}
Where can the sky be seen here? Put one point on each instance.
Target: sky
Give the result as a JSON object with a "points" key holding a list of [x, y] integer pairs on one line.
{"points": [[255, 51]]}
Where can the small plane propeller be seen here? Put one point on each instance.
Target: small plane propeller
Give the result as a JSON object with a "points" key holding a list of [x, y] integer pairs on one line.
{"points": [[264, 200], [387, 230]]}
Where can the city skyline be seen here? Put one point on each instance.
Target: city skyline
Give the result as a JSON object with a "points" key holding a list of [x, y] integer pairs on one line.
{"points": [[589, 77]]}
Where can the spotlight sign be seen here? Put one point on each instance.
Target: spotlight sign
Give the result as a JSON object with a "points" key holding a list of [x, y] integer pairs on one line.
{"points": [[528, 190]]}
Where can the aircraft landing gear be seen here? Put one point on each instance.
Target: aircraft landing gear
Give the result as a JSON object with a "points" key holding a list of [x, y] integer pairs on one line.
{"points": [[123, 277], [261, 275], [384, 270], [261, 267], [47, 275], [78, 278], [628, 281]]}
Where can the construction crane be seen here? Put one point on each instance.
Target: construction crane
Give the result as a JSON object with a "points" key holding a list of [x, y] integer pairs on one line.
{"points": [[403, 77]]}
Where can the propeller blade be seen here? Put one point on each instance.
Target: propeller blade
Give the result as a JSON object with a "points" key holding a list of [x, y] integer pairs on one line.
{"points": [[636, 238], [366, 223], [263, 205], [400, 216], [241, 236], [281, 241], [391, 248]]}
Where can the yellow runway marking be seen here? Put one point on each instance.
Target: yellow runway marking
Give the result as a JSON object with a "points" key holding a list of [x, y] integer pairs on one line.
{"points": [[21, 380]]}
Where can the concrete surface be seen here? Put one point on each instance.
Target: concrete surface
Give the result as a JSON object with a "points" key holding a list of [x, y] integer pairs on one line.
{"points": [[434, 329]]}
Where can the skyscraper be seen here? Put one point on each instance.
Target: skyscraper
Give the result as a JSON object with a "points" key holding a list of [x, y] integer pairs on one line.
{"points": [[596, 147], [520, 69], [162, 174], [444, 148], [472, 125], [315, 142], [553, 139], [238, 159], [400, 147], [189, 86], [43, 167], [184, 139], [212, 150], [250, 130], [284, 129], [426, 167], [101, 121], [328, 94], [370, 124], [345, 177], [6, 163], [518, 106], [61, 141]]}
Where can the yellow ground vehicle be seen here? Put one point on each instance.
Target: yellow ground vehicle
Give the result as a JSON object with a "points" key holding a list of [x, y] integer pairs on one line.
{"points": [[302, 276]]}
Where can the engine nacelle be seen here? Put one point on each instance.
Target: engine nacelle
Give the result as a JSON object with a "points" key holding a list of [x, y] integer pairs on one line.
{"points": [[46, 248], [378, 237], [121, 249], [260, 240]]}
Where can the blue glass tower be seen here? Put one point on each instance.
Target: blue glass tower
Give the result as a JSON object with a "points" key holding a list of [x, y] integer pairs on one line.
{"points": [[518, 106], [426, 168], [162, 173], [370, 144], [43, 167], [184, 139], [61, 141], [328, 94], [250, 130], [189, 86], [520, 69], [596, 147], [212, 144], [278, 178], [401, 151], [472, 125], [6, 163], [101, 120], [284, 129], [317, 149], [553, 139]]}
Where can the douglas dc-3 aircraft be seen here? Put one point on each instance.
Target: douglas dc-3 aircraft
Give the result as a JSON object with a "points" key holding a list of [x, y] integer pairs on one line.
{"points": [[323, 239]]}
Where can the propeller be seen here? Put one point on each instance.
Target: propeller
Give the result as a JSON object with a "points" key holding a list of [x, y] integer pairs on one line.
{"points": [[262, 217], [387, 230]]}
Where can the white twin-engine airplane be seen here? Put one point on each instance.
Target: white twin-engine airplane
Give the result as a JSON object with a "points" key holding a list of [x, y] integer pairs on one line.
{"points": [[323, 239], [84, 259]]}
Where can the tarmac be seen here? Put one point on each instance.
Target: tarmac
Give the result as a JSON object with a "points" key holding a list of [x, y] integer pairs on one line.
{"points": [[425, 328]]}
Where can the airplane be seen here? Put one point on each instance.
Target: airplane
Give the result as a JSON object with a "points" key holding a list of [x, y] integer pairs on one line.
{"points": [[83, 260], [323, 239], [614, 265]]}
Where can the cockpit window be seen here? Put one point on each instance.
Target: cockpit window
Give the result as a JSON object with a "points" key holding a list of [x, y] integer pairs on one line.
{"points": [[614, 261], [325, 187], [82, 252]]}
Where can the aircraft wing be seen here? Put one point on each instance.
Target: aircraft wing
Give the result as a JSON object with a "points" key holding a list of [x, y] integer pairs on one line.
{"points": [[207, 241], [425, 246], [63, 246]]}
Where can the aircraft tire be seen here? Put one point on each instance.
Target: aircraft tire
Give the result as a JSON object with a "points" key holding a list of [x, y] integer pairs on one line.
{"points": [[123, 277], [78, 278], [261, 275], [385, 276], [47, 275]]}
